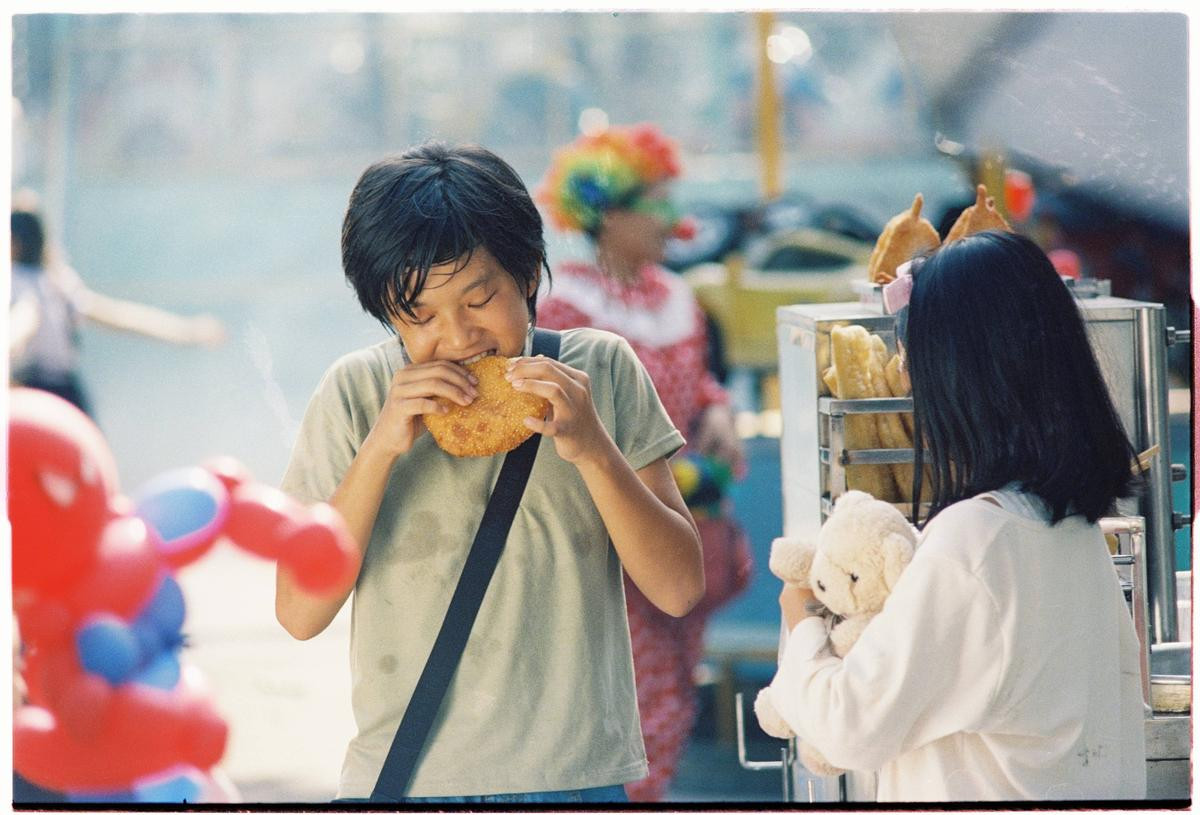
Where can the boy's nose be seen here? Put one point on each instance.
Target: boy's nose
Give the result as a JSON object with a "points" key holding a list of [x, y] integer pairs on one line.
{"points": [[459, 334]]}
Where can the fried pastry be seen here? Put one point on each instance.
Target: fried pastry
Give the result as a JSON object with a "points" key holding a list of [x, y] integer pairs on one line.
{"points": [[494, 422], [899, 385], [904, 236], [853, 358], [980, 216]]}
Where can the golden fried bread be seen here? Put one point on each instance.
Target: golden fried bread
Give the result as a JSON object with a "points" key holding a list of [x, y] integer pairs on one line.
{"points": [[899, 385], [854, 356], [893, 434], [980, 216], [494, 422], [904, 236]]}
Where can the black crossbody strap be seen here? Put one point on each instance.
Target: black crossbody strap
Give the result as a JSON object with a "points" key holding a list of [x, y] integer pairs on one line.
{"points": [[464, 607]]}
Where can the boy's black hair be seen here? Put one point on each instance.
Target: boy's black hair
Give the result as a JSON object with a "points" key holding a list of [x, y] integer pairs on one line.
{"points": [[436, 204], [27, 232], [1005, 384]]}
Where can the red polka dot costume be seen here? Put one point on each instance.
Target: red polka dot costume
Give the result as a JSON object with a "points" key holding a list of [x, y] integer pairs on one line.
{"points": [[657, 313]]}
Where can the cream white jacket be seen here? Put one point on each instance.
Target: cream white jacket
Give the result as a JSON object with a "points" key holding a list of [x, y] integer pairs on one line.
{"points": [[1004, 666]]}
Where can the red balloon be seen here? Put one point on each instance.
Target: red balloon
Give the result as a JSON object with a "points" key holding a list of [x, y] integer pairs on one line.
{"points": [[320, 554], [1065, 262], [61, 477], [232, 472], [43, 621], [147, 731], [86, 709], [57, 681], [260, 517], [1019, 194], [128, 569]]}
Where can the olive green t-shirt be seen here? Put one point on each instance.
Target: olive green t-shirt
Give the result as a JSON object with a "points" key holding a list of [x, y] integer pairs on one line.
{"points": [[543, 698]]}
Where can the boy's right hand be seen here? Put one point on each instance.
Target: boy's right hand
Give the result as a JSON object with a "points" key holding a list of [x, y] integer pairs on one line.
{"points": [[413, 394]]}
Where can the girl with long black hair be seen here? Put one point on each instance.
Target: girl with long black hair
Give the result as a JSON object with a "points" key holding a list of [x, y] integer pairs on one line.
{"points": [[1004, 665]]}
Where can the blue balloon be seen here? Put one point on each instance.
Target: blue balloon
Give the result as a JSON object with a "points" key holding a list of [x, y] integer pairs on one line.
{"points": [[166, 610], [109, 648], [150, 640], [162, 672], [186, 506], [113, 797], [178, 790]]}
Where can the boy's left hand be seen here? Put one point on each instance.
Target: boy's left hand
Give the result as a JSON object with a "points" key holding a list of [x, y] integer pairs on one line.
{"points": [[572, 421]]}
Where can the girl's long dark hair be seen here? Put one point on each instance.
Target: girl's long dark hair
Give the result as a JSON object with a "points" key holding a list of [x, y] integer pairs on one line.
{"points": [[1005, 385]]}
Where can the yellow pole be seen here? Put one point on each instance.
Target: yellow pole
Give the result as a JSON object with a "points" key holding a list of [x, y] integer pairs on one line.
{"points": [[768, 111], [991, 175]]}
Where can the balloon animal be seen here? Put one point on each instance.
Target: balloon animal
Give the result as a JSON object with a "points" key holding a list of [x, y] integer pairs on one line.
{"points": [[112, 714]]}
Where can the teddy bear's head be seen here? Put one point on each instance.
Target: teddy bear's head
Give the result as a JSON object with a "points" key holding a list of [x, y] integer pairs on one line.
{"points": [[861, 550]]}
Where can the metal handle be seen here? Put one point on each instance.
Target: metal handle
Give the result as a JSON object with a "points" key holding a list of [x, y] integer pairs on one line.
{"points": [[783, 765], [1180, 520], [1179, 472], [741, 742], [1131, 553], [1176, 336]]}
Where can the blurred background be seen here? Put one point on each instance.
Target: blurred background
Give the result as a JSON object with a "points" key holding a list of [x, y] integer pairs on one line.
{"points": [[202, 163]]}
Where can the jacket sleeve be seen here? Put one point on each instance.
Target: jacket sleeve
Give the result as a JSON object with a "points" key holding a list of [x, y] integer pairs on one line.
{"points": [[928, 665]]}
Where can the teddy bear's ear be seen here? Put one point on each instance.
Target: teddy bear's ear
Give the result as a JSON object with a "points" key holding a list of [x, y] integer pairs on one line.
{"points": [[791, 558], [851, 499], [897, 552]]}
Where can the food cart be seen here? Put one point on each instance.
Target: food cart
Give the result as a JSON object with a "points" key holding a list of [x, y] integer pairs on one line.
{"points": [[1130, 340]]}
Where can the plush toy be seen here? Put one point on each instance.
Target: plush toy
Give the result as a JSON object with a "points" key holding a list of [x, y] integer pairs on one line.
{"points": [[851, 568]]}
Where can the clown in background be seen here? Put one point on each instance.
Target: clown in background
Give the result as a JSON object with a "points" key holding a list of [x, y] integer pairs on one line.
{"points": [[613, 186]]}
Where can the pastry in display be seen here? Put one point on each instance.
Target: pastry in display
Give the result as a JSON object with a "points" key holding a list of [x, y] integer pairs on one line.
{"points": [[905, 236], [980, 216]]}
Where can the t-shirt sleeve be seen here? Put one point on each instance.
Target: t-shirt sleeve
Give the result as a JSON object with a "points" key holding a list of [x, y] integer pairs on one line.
{"points": [[326, 443], [928, 665], [643, 432]]}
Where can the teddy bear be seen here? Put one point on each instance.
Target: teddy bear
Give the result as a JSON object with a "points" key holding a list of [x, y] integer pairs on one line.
{"points": [[851, 567]]}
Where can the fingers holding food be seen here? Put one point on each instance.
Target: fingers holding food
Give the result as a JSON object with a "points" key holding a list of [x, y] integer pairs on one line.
{"points": [[572, 420]]}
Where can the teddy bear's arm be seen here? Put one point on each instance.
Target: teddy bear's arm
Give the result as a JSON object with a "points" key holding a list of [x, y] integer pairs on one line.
{"points": [[846, 633]]}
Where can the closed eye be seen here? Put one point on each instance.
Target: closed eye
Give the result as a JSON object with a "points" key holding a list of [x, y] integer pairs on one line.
{"points": [[484, 303]]}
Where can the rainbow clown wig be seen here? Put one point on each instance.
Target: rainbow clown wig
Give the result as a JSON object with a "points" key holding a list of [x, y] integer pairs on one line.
{"points": [[602, 171]]}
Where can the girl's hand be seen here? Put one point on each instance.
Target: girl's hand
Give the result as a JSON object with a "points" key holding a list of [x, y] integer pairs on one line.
{"points": [[411, 395], [572, 420], [796, 604], [716, 435]]}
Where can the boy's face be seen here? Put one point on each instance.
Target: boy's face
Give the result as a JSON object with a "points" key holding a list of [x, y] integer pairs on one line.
{"points": [[462, 314]]}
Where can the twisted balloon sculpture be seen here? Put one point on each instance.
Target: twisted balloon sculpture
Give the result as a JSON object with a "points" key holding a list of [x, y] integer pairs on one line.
{"points": [[112, 714]]}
